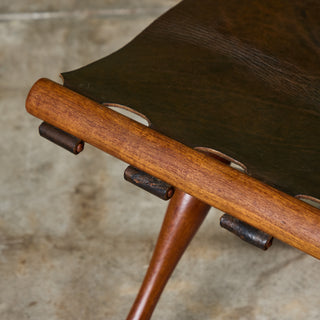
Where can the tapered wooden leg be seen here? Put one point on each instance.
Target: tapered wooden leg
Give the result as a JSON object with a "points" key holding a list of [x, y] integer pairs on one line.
{"points": [[183, 218]]}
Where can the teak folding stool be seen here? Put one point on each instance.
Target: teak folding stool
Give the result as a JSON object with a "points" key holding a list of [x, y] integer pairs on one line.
{"points": [[219, 82]]}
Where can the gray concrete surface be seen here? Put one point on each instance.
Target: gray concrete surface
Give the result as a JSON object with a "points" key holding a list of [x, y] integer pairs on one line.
{"points": [[75, 238]]}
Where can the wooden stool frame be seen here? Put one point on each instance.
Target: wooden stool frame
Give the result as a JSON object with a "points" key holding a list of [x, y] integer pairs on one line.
{"points": [[201, 181]]}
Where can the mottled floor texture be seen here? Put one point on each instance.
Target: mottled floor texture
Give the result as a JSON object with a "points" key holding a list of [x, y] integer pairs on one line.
{"points": [[75, 238]]}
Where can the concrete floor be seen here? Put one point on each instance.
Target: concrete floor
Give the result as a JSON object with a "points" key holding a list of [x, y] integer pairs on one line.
{"points": [[75, 238]]}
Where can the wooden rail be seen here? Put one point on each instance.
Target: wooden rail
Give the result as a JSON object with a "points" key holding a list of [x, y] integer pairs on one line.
{"points": [[195, 173]]}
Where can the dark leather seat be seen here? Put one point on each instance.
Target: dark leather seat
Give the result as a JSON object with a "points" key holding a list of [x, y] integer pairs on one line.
{"points": [[242, 78]]}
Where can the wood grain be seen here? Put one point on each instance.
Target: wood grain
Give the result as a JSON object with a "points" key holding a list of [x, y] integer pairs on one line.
{"points": [[205, 178], [240, 77]]}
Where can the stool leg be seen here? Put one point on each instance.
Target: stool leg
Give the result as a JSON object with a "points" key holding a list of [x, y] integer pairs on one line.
{"points": [[183, 219]]}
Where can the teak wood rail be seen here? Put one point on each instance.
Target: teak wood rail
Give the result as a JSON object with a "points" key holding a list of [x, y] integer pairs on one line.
{"points": [[285, 217]]}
